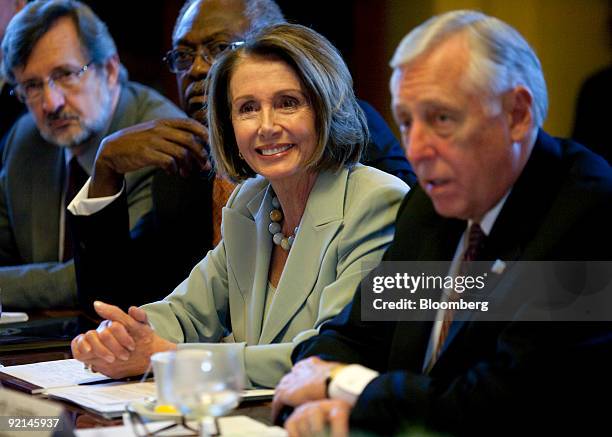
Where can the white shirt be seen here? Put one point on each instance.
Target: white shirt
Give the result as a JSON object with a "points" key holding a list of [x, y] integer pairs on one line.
{"points": [[486, 224], [83, 205]]}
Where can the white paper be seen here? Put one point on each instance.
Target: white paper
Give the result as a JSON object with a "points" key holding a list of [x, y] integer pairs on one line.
{"points": [[51, 374], [233, 426], [245, 426], [111, 399], [106, 399]]}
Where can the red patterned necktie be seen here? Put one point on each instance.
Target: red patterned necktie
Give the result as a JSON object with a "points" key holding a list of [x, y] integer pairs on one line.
{"points": [[476, 239], [76, 179]]}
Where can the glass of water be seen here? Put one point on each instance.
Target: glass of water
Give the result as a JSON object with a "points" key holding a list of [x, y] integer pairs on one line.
{"points": [[205, 384]]}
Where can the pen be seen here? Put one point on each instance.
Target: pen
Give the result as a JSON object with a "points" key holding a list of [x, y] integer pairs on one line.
{"points": [[109, 380]]}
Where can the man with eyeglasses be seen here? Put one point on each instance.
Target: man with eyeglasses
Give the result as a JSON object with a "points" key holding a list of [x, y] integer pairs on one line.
{"points": [[63, 65], [155, 261]]}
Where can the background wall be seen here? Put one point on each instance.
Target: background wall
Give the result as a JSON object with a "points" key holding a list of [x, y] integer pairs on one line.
{"points": [[570, 37]]}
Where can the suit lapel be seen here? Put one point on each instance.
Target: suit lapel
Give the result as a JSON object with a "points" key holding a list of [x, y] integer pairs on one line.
{"points": [[249, 269], [47, 187], [424, 236], [529, 201], [519, 220], [322, 218]]}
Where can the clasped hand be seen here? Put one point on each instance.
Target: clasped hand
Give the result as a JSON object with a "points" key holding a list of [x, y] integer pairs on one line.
{"points": [[122, 344]]}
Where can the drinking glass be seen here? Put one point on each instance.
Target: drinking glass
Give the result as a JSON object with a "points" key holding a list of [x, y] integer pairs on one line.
{"points": [[161, 364], [204, 384]]}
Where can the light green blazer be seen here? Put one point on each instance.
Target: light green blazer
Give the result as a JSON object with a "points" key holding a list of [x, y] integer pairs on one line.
{"points": [[348, 220]]}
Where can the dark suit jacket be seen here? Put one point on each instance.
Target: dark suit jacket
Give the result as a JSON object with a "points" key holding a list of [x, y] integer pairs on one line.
{"points": [[31, 186], [131, 268], [492, 377], [147, 265]]}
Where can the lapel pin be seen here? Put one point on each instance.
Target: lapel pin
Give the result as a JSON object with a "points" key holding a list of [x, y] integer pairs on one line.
{"points": [[498, 267]]}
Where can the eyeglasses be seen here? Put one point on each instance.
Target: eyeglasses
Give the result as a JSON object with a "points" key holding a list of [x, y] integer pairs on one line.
{"points": [[66, 79], [180, 60], [180, 428]]}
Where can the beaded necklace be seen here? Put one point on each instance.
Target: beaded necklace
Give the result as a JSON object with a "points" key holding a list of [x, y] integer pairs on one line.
{"points": [[276, 215]]}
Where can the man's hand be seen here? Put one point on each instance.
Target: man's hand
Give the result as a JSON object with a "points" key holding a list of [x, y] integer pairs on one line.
{"points": [[175, 145], [313, 418], [305, 382], [122, 345]]}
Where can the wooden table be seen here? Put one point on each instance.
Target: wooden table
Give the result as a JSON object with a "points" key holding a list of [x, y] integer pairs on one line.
{"points": [[57, 348], [45, 336], [81, 418]]}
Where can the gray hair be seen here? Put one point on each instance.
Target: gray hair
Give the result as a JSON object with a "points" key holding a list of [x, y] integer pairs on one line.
{"points": [[35, 20], [501, 58], [259, 13], [341, 125]]}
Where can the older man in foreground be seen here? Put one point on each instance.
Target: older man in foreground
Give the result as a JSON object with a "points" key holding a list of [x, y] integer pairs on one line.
{"points": [[469, 97]]}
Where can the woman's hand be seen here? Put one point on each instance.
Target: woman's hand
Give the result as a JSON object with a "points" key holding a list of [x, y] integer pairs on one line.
{"points": [[122, 345]]}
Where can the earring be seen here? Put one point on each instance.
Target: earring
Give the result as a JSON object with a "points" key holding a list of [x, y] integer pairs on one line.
{"points": [[240, 156]]}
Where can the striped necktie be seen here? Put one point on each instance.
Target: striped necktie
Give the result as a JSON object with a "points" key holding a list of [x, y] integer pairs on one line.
{"points": [[476, 240]]}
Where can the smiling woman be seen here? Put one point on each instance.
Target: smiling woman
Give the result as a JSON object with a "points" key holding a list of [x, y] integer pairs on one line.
{"points": [[273, 121], [316, 79], [285, 123]]}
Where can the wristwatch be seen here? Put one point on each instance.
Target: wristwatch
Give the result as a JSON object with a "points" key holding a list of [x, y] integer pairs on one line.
{"points": [[332, 374]]}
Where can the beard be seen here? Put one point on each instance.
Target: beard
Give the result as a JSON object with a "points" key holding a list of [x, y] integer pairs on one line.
{"points": [[86, 129]]}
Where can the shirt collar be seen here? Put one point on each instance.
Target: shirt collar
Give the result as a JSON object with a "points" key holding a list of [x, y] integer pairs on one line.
{"points": [[488, 220], [86, 159]]}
